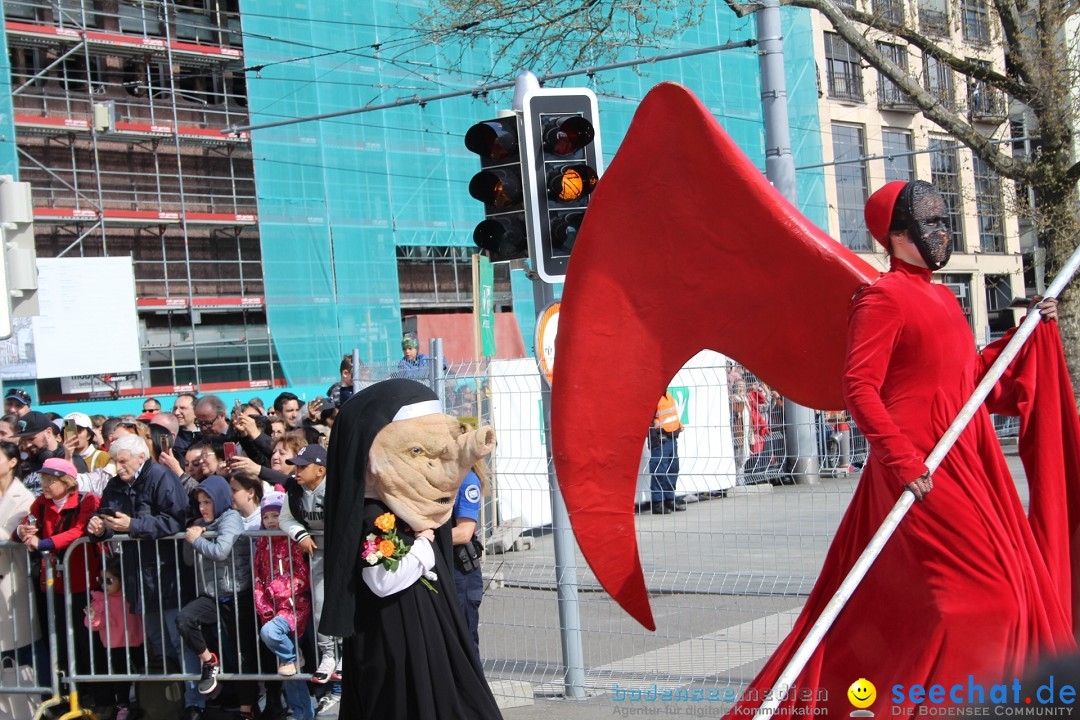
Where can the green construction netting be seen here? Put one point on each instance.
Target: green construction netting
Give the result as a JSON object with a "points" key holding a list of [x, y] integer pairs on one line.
{"points": [[9, 158], [337, 197]]}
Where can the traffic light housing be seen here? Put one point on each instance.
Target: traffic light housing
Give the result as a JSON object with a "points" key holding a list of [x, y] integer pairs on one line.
{"points": [[502, 233], [561, 166]]}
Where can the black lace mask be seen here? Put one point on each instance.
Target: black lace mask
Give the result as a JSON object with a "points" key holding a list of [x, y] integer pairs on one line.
{"points": [[921, 212]]}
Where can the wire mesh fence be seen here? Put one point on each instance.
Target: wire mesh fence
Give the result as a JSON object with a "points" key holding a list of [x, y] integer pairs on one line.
{"points": [[727, 569]]}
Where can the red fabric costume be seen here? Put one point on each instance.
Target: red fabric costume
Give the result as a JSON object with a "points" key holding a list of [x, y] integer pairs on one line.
{"points": [[961, 588], [966, 585]]}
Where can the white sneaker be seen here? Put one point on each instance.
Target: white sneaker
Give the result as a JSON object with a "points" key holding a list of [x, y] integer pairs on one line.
{"points": [[326, 702], [325, 670], [336, 677]]}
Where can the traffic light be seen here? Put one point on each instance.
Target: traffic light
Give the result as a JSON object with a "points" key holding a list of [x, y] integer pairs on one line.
{"points": [[18, 259], [501, 235], [562, 166]]}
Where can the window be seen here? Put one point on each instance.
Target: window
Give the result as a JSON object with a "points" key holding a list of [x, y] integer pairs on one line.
{"points": [[939, 81], [849, 149], [984, 102], [844, 68], [934, 17], [890, 10], [945, 175], [889, 95], [999, 316], [960, 284], [988, 207], [897, 166], [976, 21]]}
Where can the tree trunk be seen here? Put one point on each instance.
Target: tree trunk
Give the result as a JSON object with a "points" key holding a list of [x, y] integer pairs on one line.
{"points": [[1059, 230]]}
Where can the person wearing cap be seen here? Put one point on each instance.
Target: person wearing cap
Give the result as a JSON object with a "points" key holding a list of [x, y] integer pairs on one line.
{"points": [[83, 442], [962, 583], [282, 580], [17, 402], [301, 516], [414, 365], [60, 516], [39, 440]]}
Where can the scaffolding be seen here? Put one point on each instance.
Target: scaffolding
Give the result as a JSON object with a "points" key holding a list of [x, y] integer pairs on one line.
{"points": [[118, 108]]}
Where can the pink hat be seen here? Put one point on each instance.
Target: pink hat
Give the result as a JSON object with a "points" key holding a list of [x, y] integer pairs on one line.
{"points": [[58, 467]]}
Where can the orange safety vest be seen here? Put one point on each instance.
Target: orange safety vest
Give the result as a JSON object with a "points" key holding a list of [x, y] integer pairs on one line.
{"points": [[667, 414]]}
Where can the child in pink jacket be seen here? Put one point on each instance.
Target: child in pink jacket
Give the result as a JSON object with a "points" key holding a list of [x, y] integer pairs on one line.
{"points": [[282, 599], [120, 632]]}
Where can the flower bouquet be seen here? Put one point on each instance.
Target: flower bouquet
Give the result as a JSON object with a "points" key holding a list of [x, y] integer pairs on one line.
{"points": [[388, 549]]}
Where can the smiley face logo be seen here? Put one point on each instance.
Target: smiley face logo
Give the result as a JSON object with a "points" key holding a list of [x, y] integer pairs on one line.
{"points": [[862, 693]]}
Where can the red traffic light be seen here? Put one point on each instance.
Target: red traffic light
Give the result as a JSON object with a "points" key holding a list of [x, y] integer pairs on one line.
{"points": [[566, 135], [571, 182], [503, 238], [494, 139]]}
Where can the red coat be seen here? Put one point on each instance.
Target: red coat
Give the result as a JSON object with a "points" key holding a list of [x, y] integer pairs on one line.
{"points": [[61, 527], [962, 587], [281, 579]]}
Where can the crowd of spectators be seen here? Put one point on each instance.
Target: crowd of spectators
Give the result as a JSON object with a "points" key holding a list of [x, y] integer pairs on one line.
{"points": [[205, 470]]}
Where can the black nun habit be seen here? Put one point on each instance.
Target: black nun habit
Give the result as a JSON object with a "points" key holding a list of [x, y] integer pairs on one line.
{"points": [[409, 655]]}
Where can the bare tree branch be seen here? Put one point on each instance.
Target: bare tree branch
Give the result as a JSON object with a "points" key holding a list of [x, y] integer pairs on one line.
{"points": [[931, 106]]}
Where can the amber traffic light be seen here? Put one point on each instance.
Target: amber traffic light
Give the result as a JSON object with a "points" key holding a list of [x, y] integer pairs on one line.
{"points": [[502, 234], [562, 167]]}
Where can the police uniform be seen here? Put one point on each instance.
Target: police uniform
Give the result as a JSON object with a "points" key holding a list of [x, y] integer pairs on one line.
{"points": [[467, 576]]}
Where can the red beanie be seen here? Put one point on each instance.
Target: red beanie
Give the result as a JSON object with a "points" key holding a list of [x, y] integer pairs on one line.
{"points": [[879, 211]]}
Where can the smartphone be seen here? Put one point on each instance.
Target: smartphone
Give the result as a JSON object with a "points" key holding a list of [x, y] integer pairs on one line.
{"points": [[70, 429], [165, 443], [230, 451], [108, 512], [236, 407]]}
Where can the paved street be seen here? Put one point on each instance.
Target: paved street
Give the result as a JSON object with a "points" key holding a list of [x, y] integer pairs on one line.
{"points": [[703, 639]]}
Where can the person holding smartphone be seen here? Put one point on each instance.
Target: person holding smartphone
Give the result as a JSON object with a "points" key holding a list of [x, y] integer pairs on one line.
{"points": [[61, 515], [79, 431]]}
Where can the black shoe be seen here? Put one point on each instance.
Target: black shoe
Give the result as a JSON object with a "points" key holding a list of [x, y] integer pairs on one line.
{"points": [[208, 679], [662, 509], [678, 505], [193, 713]]}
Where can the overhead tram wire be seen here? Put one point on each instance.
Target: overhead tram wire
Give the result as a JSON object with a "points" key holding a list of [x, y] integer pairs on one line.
{"points": [[484, 89]]}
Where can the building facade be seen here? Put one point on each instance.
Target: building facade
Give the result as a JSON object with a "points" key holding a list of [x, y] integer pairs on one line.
{"points": [[260, 257], [874, 135]]}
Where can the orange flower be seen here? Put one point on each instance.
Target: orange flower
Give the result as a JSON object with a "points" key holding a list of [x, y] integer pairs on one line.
{"points": [[385, 522], [386, 547]]}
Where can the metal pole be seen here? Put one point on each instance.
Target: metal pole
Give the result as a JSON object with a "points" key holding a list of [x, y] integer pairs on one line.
{"points": [[907, 498], [800, 449], [436, 372], [356, 370], [565, 548]]}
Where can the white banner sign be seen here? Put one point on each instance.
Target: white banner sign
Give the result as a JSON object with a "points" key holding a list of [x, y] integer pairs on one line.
{"points": [[706, 452], [88, 323]]}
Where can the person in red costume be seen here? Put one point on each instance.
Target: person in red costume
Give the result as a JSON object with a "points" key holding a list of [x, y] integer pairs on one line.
{"points": [[961, 588]]}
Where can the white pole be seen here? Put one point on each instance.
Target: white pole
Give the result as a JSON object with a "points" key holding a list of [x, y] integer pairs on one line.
{"points": [[892, 521]]}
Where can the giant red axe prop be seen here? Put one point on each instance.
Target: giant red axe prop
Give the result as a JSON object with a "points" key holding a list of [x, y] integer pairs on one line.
{"points": [[681, 213]]}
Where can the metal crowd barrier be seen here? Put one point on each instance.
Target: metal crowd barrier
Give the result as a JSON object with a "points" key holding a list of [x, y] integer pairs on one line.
{"points": [[157, 615]]}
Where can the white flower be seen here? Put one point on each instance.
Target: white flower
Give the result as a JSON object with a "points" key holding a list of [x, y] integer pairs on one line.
{"points": [[431, 576], [372, 558], [370, 537]]}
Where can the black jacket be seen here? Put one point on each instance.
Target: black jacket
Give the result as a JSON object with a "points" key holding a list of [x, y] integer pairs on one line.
{"points": [[157, 505]]}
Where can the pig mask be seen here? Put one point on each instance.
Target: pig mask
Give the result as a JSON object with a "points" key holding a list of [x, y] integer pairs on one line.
{"points": [[416, 466], [390, 442]]}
